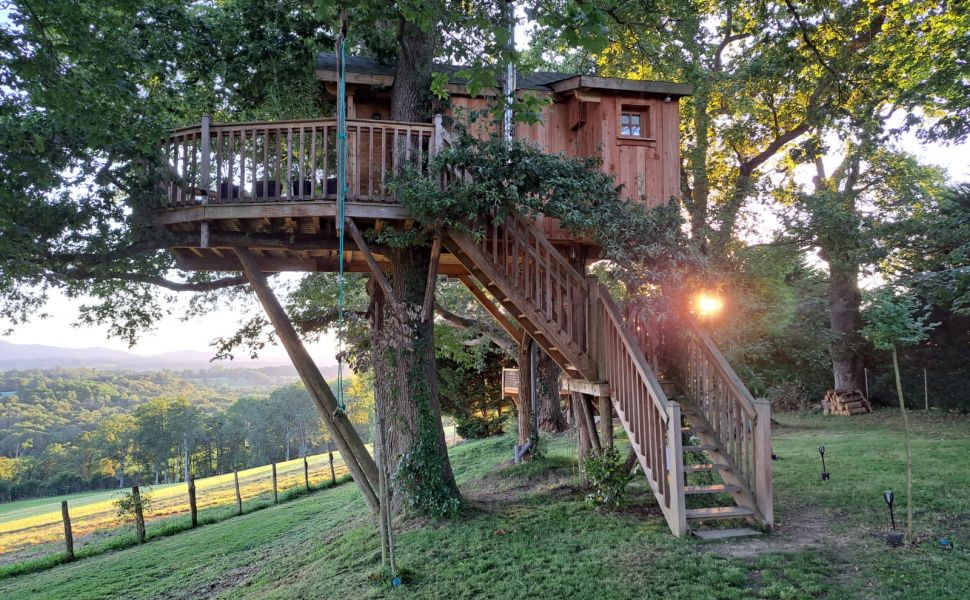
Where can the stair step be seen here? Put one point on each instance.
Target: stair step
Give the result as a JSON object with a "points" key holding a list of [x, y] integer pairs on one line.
{"points": [[719, 512], [723, 534], [700, 448], [719, 488], [704, 468], [693, 429]]}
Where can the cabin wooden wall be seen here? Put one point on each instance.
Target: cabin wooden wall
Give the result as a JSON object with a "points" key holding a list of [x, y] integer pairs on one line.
{"points": [[648, 169]]}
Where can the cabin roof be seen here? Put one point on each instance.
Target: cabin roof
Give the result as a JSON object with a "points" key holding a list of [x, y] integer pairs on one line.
{"points": [[370, 71]]}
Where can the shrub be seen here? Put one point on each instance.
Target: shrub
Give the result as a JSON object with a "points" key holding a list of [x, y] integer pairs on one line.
{"points": [[608, 478], [475, 426]]}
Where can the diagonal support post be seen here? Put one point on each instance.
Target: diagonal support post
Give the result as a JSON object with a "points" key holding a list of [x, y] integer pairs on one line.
{"points": [[359, 461]]}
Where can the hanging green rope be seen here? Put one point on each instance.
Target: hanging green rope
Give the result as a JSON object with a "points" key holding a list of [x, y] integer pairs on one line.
{"points": [[341, 202]]}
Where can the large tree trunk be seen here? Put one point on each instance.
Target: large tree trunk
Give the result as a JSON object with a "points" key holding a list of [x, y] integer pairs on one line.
{"points": [[406, 390], [551, 418], [406, 375], [845, 319]]}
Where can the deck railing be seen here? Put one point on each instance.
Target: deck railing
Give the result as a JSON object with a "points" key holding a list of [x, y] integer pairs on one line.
{"points": [[741, 424], [283, 161]]}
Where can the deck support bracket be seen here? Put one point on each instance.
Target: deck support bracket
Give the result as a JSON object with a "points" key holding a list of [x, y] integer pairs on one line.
{"points": [[359, 461]]}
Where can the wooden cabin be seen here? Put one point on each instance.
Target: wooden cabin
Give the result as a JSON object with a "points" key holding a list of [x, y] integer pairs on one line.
{"points": [[262, 197], [633, 126]]}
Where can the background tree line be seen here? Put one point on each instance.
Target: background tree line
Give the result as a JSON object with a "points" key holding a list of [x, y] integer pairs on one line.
{"points": [[73, 429]]}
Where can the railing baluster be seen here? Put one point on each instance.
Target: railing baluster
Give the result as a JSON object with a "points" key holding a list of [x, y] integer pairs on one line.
{"points": [[313, 161], [370, 163], [302, 196]]}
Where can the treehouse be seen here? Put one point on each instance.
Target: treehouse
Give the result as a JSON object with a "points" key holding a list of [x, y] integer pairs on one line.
{"points": [[262, 197]]}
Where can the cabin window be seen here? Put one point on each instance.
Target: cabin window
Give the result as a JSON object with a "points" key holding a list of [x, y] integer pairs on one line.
{"points": [[631, 124], [634, 122]]}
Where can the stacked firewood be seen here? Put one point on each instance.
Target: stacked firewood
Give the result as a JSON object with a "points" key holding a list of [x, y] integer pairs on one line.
{"points": [[846, 402]]}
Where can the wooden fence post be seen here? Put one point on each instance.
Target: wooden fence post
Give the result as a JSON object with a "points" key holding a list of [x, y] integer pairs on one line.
{"points": [[193, 508], [764, 489], [276, 497], [333, 473], [139, 515], [235, 475], [68, 536], [306, 474]]}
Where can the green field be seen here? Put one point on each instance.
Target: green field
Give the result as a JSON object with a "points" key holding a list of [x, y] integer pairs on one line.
{"points": [[33, 528], [526, 533]]}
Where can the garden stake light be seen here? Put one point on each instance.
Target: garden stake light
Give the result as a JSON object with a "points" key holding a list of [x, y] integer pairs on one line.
{"points": [[894, 537], [825, 474]]}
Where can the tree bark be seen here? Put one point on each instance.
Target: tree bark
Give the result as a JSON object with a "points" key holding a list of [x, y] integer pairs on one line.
{"points": [[411, 95], [845, 319], [551, 418], [406, 386]]}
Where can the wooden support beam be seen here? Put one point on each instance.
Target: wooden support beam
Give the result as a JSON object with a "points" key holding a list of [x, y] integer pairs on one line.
{"points": [[600, 390], [359, 461], [375, 268], [585, 417], [606, 420]]}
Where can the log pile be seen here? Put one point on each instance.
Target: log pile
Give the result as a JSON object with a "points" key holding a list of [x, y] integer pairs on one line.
{"points": [[846, 402]]}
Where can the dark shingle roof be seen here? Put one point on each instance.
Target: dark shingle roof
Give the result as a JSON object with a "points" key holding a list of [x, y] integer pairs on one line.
{"points": [[546, 81], [539, 80]]}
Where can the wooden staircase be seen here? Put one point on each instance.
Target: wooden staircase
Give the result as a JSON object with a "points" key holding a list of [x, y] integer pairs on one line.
{"points": [[705, 412]]}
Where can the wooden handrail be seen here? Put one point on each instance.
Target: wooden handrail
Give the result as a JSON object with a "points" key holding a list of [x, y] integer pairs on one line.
{"points": [[636, 355], [738, 389], [291, 122]]}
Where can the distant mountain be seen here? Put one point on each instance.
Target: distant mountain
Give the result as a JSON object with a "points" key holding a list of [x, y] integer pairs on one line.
{"points": [[37, 356]]}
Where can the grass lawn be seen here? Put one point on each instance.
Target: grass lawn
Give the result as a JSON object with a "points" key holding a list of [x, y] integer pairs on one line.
{"points": [[528, 534]]}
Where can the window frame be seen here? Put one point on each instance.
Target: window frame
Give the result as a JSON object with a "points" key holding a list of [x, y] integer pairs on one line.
{"points": [[645, 112]]}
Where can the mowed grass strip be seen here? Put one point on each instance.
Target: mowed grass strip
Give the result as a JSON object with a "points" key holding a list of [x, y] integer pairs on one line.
{"points": [[40, 523], [527, 533]]}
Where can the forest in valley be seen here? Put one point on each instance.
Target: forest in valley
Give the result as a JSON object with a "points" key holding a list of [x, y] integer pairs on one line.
{"points": [[70, 430]]}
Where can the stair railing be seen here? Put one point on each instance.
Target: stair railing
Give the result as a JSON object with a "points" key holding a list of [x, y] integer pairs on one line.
{"points": [[651, 421], [552, 286], [741, 424]]}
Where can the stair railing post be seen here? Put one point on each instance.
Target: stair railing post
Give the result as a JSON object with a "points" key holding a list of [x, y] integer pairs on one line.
{"points": [[675, 465], [439, 135], [764, 489]]}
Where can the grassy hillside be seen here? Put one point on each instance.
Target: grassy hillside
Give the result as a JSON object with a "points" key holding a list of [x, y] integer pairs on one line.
{"points": [[528, 534], [33, 528]]}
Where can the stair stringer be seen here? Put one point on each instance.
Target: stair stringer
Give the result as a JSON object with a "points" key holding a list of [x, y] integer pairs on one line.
{"points": [[567, 355]]}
